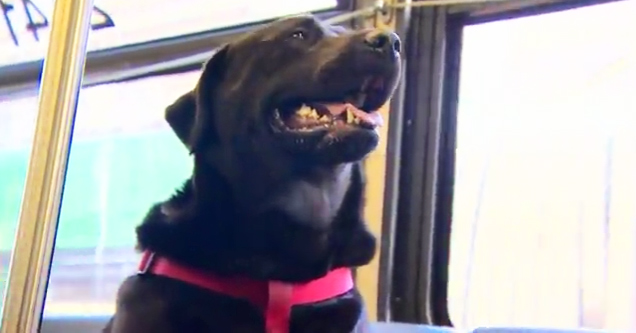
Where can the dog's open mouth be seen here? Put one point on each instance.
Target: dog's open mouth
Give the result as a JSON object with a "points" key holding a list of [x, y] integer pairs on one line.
{"points": [[357, 110], [315, 116]]}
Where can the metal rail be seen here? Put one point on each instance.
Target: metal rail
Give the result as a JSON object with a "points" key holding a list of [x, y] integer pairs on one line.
{"points": [[61, 81]]}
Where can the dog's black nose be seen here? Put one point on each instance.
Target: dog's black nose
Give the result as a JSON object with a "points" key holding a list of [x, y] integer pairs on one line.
{"points": [[383, 40]]}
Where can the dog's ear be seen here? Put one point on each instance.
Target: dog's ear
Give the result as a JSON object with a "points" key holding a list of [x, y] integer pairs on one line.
{"points": [[180, 116], [191, 115], [203, 129]]}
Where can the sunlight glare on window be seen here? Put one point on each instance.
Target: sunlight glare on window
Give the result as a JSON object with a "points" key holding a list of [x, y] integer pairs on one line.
{"points": [[544, 221]]}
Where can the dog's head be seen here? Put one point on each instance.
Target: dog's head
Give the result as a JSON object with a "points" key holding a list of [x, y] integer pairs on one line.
{"points": [[301, 89], [276, 124]]}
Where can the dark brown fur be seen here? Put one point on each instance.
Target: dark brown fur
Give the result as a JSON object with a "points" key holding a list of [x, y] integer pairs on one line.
{"points": [[261, 205]]}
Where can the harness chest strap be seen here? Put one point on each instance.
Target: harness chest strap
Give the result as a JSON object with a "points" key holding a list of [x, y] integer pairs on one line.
{"points": [[274, 297]]}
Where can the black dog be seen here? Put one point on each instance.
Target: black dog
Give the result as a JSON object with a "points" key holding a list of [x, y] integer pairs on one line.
{"points": [[277, 125]]}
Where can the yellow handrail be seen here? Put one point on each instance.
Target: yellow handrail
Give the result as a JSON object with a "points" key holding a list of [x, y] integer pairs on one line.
{"points": [[61, 81]]}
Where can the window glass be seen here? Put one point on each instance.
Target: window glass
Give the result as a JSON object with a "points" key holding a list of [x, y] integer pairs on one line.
{"points": [[124, 157], [544, 221], [12, 175], [25, 30]]}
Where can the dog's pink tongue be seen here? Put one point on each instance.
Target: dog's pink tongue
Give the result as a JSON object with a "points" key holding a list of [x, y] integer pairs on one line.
{"points": [[372, 118]]}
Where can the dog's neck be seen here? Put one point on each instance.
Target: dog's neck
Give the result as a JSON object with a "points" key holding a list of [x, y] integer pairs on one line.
{"points": [[299, 235], [298, 232], [316, 200], [311, 195]]}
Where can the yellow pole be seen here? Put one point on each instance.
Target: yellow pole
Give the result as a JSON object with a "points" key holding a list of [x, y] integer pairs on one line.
{"points": [[60, 84]]}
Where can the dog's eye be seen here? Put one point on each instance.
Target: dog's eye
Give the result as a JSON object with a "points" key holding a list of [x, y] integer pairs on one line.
{"points": [[299, 34]]}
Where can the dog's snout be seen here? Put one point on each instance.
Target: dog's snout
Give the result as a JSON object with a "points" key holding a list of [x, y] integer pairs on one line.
{"points": [[383, 40]]}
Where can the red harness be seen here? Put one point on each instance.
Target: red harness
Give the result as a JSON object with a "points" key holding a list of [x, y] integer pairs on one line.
{"points": [[274, 297]]}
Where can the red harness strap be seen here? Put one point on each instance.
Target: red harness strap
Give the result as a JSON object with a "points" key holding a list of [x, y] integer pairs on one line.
{"points": [[274, 297]]}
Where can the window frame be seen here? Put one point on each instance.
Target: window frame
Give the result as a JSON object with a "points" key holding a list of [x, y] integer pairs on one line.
{"points": [[117, 62], [421, 166]]}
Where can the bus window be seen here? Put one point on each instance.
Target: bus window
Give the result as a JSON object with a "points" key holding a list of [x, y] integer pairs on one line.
{"points": [[123, 157], [543, 230]]}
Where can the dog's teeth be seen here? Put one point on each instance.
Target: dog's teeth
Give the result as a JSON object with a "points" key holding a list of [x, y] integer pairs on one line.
{"points": [[324, 118], [350, 116], [356, 120], [305, 111], [314, 114]]}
